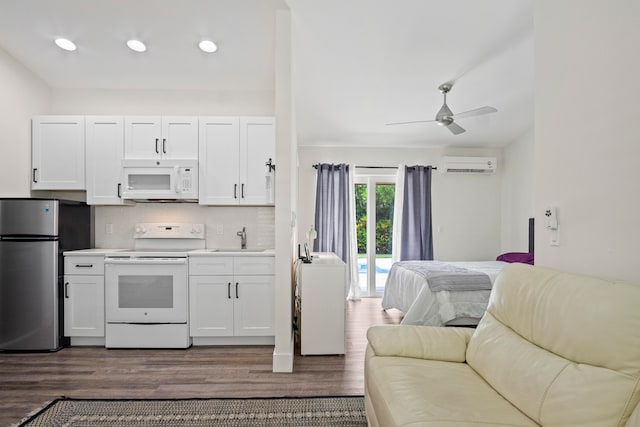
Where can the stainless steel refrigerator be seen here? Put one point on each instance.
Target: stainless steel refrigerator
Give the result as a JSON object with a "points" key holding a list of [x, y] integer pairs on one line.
{"points": [[33, 235]]}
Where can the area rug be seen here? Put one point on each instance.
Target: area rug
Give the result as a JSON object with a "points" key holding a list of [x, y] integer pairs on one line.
{"points": [[304, 411]]}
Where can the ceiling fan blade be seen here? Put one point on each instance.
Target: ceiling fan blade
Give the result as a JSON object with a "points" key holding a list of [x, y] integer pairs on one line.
{"points": [[455, 129], [475, 112], [406, 123]]}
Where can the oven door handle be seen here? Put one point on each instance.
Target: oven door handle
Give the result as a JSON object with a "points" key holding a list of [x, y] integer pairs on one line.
{"points": [[138, 261]]}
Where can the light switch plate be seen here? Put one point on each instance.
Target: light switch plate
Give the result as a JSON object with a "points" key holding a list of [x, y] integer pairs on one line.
{"points": [[555, 237]]}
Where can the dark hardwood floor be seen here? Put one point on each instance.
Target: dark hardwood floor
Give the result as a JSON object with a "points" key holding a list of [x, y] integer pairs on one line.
{"points": [[30, 380]]}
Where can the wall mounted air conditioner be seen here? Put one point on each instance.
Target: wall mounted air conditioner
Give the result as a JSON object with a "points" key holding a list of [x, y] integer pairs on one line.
{"points": [[478, 165]]}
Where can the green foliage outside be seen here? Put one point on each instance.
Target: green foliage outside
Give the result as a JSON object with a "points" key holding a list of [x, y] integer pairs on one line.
{"points": [[385, 194]]}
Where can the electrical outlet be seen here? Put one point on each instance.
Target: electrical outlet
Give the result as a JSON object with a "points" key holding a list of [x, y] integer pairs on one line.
{"points": [[108, 228], [219, 229]]}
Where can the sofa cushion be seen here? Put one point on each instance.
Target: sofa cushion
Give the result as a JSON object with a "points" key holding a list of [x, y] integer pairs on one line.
{"points": [[418, 392], [563, 348]]}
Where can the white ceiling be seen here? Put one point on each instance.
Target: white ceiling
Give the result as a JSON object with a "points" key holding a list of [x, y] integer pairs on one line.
{"points": [[357, 64]]}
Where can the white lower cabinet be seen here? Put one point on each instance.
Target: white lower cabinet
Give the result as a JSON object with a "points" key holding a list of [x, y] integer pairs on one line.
{"points": [[231, 300], [84, 299]]}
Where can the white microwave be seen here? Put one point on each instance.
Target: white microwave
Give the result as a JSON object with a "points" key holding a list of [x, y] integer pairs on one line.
{"points": [[160, 180]]}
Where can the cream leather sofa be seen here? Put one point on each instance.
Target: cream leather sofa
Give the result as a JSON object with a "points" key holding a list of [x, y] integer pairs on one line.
{"points": [[553, 349]]}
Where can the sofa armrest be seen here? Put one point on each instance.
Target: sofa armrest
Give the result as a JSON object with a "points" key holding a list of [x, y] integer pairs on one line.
{"points": [[448, 344]]}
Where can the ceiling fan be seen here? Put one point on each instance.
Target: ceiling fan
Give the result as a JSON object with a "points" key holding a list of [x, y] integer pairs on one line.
{"points": [[445, 116]]}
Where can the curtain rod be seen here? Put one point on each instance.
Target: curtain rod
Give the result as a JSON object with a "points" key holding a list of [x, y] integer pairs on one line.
{"points": [[435, 168]]}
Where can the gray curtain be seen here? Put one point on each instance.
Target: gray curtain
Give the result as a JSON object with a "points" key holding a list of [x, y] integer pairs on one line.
{"points": [[332, 210], [417, 239]]}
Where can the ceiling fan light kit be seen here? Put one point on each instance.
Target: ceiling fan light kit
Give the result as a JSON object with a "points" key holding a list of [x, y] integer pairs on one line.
{"points": [[445, 117]]}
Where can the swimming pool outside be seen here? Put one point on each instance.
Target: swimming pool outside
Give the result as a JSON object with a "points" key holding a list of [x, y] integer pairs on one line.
{"points": [[381, 271]]}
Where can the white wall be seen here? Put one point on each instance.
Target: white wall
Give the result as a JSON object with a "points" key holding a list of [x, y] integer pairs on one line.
{"points": [[286, 149], [22, 96], [161, 102], [517, 193], [466, 208], [587, 135]]}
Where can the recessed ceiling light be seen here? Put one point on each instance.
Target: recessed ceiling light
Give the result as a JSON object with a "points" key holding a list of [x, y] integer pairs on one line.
{"points": [[207, 46], [65, 44], [136, 45]]}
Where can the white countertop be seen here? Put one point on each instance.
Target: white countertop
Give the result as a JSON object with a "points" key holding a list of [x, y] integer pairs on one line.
{"points": [[91, 252], [232, 252], [325, 258], [197, 252]]}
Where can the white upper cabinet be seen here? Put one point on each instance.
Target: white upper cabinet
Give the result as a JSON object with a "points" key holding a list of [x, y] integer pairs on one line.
{"points": [[219, 159], [180, 137], [104, 153], [57, 146], [234, 152], [257, 147], [156, 137]]}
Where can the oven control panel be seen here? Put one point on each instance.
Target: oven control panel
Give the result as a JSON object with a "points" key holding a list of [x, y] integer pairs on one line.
{"points": [[168, 231]]}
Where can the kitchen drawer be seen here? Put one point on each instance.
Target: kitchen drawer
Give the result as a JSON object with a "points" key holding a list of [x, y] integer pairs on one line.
{"points": [[252, 265], [87, 265], [210, 266]]}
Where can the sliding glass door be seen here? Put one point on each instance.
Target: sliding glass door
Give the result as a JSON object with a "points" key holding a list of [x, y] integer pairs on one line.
{"points": [[374, 227]]}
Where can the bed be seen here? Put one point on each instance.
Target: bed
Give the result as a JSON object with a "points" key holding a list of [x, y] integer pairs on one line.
{"points": [[407, 289], [446, 293]]}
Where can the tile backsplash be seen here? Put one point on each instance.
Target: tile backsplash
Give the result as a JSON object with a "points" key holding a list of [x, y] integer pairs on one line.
{"points": [[114, 224]]}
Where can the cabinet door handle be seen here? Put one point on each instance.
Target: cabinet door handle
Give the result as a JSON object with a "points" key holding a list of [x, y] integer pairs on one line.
{"points": [[34, 174], [229, 290], [66, 290], [157, 152], [164, 145], [235, 191], [84, 265], [119, 193], [242, 191], [237, 290]]}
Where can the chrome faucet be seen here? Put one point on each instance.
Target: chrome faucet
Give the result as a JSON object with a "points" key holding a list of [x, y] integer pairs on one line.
{"points": [[243, 238]]}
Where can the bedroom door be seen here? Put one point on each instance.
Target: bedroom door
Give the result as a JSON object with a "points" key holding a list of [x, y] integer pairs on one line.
{"points": [[374, 197]]}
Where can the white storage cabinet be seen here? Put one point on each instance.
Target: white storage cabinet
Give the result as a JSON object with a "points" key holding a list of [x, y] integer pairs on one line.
{"points": [[231, 299], [57, 153], [160, 137], [84, 299], [104, 154], [234, 152], [320, 305]]}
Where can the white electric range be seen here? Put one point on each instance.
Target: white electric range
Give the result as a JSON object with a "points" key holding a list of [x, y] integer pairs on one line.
{"points": [[146, 288]]}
